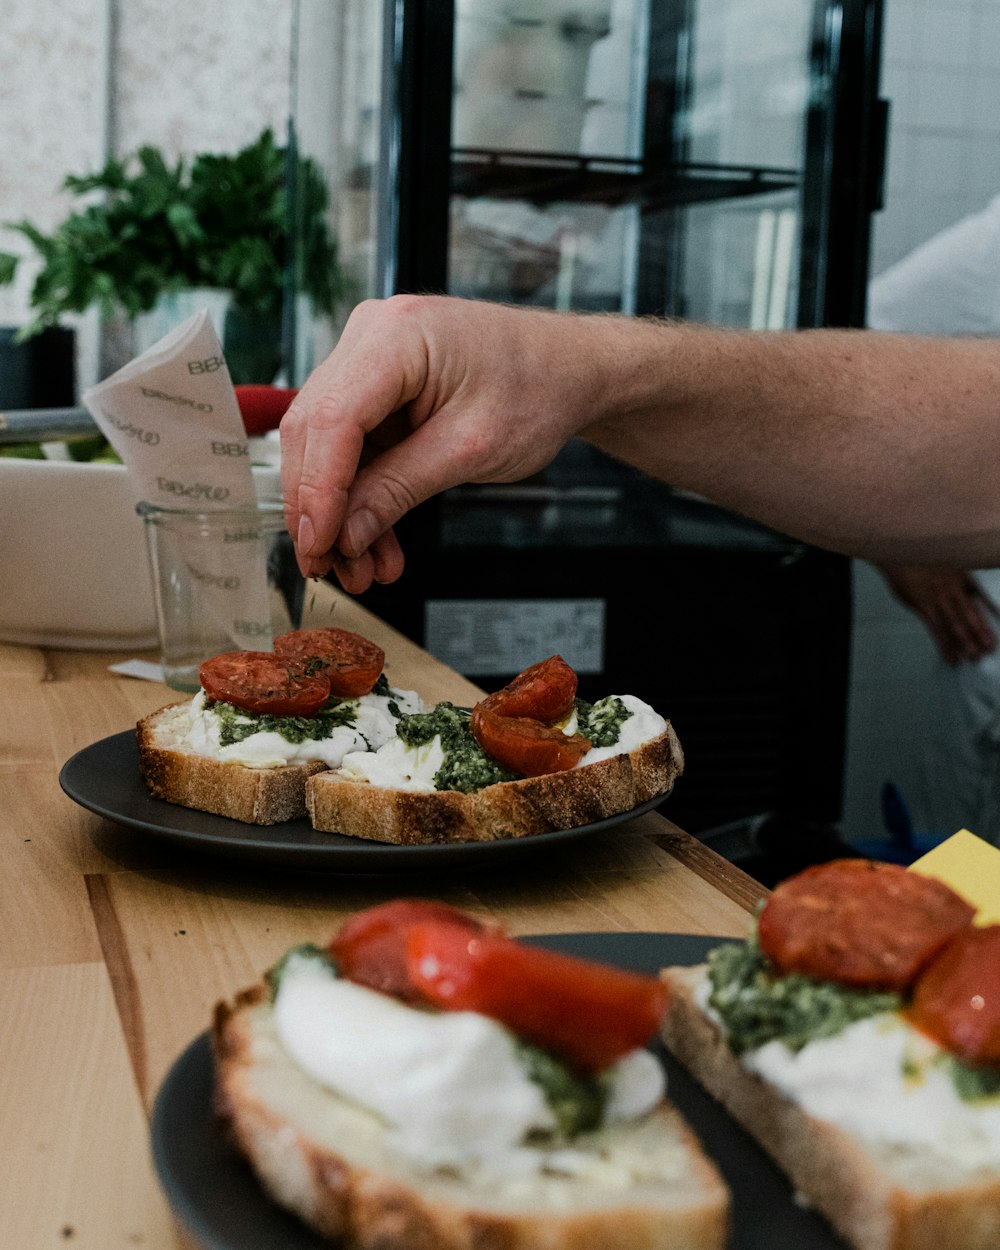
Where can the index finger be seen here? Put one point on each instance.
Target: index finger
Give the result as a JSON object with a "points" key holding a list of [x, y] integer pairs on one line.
{"points": [[318, 466]]}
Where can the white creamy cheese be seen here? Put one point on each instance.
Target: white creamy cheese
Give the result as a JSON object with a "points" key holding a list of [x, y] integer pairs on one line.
{"points": [[638, 1082], [449, 1084], [395, 765], [643, 725], [374, 724], [881, 1081]]}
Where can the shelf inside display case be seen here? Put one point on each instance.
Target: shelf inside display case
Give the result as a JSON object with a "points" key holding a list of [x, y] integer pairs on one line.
{"points": [[545, 177]]}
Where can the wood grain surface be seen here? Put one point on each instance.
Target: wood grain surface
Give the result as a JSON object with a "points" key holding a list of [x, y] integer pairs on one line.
{"points": [[114, 949]]}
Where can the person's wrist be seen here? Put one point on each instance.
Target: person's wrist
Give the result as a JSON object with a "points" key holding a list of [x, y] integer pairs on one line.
{"points": [[630, 363]]}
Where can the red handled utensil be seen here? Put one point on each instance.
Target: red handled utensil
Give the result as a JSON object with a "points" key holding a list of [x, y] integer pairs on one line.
{"points": [[261, 408]]}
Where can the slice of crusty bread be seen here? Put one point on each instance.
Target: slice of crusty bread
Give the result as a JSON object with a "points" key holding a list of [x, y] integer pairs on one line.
{"points": [[647, 1185], [257, 796], [877, 1197], [508, 809]]}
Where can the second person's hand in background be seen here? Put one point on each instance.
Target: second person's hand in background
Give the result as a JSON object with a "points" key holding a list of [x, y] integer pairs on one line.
{"points": [[952, 605]]}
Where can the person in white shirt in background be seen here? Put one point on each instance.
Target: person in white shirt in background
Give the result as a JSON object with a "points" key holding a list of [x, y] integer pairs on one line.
{"points": [[950, 287]]}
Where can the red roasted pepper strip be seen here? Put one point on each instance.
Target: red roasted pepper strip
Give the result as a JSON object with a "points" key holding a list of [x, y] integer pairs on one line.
{"points": [[370, 947], [587, 1013]]}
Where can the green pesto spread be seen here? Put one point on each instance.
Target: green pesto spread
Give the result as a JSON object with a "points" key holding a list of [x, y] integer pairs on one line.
{"points": [[466, 765], [602, 721], [236, 723], [757, 1006], [385, 691], [972, 1083], [576, 1102]]}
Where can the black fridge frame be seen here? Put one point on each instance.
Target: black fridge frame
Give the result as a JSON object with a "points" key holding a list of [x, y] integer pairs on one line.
{"points": [[841, 187], [843, 174]]}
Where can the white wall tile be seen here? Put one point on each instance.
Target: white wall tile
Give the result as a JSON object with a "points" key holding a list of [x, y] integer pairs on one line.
{"points": [[187, 76], [901, 172], [942, 101], [50, 72], [938, 163], [899, 32], [981, 167], [899, 84], [984, 90], [986, 45], [943, 36]]}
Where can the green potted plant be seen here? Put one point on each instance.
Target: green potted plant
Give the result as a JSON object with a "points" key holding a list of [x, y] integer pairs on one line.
{"points": [[252, 223]]}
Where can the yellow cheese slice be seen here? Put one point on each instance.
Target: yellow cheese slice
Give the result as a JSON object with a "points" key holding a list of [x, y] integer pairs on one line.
{"points": [[971, 867]]}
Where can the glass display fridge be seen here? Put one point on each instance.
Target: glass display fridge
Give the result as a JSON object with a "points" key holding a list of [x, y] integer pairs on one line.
{"points": [[714, 160]]}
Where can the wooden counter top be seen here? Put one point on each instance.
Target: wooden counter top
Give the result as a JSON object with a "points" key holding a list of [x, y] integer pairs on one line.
{"points": [[114, 948]]}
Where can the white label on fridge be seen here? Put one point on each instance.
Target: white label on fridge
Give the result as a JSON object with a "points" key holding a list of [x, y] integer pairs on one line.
{"points": [[485, 636]]}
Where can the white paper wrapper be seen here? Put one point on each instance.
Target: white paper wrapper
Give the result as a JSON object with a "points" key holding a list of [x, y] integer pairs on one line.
{"points": [[172, 416]]}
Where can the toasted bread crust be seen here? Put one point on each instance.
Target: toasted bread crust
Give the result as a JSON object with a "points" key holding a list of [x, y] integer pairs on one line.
{"points": [[368, 1207], [876, 1199], [256, 796], [509, 809]]}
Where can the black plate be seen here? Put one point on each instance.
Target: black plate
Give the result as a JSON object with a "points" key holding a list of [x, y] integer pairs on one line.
{"points": [[215, 1195], [105, 779]]}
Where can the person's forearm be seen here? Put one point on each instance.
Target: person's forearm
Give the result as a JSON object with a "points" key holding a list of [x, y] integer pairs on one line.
{"points": [[878, 445]]}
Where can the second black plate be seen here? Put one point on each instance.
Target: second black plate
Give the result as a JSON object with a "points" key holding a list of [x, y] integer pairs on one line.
{"points": [[216, 1196], [105, 778]]}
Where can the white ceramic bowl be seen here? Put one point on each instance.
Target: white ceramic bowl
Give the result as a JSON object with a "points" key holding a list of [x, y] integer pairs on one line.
{"points": [[74, 571]]}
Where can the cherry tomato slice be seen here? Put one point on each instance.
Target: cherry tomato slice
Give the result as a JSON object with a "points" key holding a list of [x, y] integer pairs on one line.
{"points": [[957, 999], [860, 923], [587, 1013], [370, 948], [260, 681], [526, 746], [351, 663], [545, 692]]}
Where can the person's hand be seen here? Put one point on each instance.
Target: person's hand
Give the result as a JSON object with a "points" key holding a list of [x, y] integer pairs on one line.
{"points": [[419, 395], [951, 604]]}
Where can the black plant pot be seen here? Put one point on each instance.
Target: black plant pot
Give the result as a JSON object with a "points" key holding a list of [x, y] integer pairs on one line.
{"points": [[38, 372], [251, 342]]}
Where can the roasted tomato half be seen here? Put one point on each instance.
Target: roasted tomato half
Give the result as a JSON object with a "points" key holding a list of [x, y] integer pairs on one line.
{"points": [[957, 999], [260, 681], [544, 692], [860, 922], [351, 663], [525, 746]]}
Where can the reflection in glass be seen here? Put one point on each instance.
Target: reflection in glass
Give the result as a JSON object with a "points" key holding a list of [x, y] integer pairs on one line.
{"points": [[623, 156], [336, 67]]}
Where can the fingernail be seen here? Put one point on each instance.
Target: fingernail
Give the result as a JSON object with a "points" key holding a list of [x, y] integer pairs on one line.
{"points": [[306, 536], [360, 531]]}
